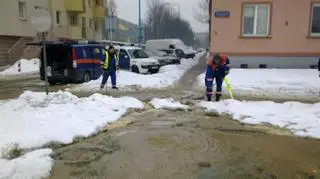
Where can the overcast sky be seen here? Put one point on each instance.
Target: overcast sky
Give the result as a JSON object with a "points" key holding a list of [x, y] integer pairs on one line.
{"points": [[128, 10]]}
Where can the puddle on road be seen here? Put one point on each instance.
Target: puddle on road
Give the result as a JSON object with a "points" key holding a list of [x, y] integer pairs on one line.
{"points": [[163, 123]]}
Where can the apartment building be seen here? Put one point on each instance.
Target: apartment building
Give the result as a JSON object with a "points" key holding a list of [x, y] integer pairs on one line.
{"points": [[267, 33], [121, 30], [71, 19]]}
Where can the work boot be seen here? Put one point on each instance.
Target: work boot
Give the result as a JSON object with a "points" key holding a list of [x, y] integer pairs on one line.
{"points": [[209, 97], [218, 96]]}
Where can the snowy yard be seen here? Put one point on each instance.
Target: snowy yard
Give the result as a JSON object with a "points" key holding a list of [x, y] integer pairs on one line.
{"points": [[302, 119], [167, 76], [26, 67], [34, 119], [291, 82]]}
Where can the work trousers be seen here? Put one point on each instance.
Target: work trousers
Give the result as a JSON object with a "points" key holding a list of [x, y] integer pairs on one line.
{"points": [[219, 81], [106, 74]]}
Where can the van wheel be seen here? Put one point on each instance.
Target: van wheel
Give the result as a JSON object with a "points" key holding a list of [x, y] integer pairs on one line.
{"points": [[51, 82], [86, 77], [135, 69]]}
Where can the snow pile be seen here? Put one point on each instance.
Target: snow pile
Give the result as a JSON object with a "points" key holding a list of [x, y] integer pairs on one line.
{"points": [[167, 103], [302, 119], [167, 76], [26, 66], [294, 82], [35, 119], [33, 165]]}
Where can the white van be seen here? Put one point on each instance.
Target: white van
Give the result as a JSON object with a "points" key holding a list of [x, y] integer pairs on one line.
{"points": [[170, 46], [135, 59]]}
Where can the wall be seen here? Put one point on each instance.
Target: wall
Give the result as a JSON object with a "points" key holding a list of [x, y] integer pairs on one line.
{"points": [[290, 40], [59, 30], [11, 24]]}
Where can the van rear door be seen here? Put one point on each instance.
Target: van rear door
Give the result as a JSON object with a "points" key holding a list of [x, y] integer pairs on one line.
{"points": [[84, 62], [59, 59]]}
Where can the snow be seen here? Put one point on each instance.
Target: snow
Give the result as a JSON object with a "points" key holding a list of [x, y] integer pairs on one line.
{"points": [[27, 66], [167, 103], [294, 82], [302, 119], [34, 119], [33, 165], [167, 76]]}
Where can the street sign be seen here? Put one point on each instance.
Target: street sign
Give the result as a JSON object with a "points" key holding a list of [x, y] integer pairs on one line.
{"points": [[222, 14], [41, 20]]}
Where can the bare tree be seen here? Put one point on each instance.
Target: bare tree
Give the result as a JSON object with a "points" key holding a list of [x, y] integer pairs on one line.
{"points": [[161, 22], [202, 14], [112, 6]]}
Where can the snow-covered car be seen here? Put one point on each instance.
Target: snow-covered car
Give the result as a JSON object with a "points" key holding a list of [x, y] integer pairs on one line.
{"points": [[163, 58], [137, 60], [171, 46]]}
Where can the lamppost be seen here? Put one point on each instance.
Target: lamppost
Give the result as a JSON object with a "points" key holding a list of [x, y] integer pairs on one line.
{"points": [[42, 22], [111, 24], [140, 25]]}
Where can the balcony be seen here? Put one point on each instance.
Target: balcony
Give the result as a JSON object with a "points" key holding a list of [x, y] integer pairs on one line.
{"points": [[75, 32], [99, 12], [74, 5]]}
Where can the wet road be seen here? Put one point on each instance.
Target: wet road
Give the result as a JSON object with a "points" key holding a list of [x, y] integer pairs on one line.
{"points": [[187, 144], [182, 144]]}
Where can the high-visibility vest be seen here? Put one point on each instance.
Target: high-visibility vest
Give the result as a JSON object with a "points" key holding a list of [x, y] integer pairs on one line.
{"points": [[106, 61]]}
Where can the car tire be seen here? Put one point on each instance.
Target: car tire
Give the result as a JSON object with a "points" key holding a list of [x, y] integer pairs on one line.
{"points": [[154, 71], [135, 69], [86, 77], [52, 83]]}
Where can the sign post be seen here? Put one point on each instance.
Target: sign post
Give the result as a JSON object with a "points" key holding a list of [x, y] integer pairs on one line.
{"points": [[41, 21]]}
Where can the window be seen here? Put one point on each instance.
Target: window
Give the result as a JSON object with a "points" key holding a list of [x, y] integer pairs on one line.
{"points": [[91, 23], [73, 19], [315, 24], [122, 53], [256, 20], [96, 26], [58, 17], [84, 24], [137, 53], [99, 2], [22, 10]]}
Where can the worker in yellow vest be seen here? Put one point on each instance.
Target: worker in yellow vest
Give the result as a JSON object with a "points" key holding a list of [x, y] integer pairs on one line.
{"points": [[109, 64]]}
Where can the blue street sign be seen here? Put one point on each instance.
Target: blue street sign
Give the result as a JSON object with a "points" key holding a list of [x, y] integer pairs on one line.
{"points": [[222, 14]]}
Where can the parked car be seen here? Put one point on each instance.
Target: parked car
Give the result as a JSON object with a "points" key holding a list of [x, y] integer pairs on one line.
{"points": [[163, 58], [71, 63], [171, 46], [137, 60]]}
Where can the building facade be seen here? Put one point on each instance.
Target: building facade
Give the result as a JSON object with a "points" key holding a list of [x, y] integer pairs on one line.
{"points": [[71, 19], [121, 30], [267, 33]]}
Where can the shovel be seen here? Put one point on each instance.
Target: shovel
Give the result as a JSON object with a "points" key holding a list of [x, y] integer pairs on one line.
{"points": [[227, 81]]}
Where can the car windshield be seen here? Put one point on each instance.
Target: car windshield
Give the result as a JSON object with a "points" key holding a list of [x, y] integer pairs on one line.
{"points": [[138, 53]]}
